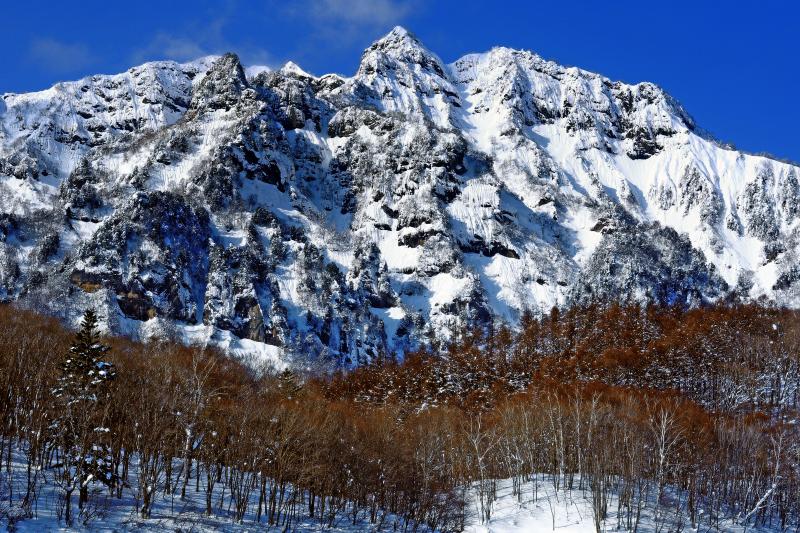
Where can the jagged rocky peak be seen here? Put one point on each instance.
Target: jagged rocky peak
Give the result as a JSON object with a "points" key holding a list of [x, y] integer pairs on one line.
{"points": [[528, 89], [401, 46], [405, 76], [296, 218], [222, 86], [290, 68]]}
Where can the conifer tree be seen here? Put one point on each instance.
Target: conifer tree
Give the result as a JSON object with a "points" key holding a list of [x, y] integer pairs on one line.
{"points": [[79, 424]]}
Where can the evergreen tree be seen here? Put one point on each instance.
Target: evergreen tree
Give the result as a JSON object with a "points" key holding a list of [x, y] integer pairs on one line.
{"points": [[81, 400], [289, 383]]}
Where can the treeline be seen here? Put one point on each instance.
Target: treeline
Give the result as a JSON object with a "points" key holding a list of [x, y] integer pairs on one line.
{"points": [[688, 418], [729, 359]]}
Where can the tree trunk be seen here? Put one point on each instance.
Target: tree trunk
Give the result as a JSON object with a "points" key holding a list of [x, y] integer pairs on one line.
{"points": [[83, 495], [68, 507]]}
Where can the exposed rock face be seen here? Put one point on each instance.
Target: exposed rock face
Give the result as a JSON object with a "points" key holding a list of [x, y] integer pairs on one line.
{"points": [[330, 220], [221, 87], [153, 253], [649, 264]]}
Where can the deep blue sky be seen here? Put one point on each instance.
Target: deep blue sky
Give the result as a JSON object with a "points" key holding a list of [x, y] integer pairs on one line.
{"points": [[736, 68]]}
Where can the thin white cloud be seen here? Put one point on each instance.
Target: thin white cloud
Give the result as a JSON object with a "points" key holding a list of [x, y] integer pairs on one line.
{"points": [[187, 44], [360, 12], [208, 41], [59, 57], [340, 22], [164, 46]]}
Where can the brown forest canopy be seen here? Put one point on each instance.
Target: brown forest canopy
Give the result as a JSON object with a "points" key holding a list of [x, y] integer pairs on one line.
{"points": [[726, 358]]}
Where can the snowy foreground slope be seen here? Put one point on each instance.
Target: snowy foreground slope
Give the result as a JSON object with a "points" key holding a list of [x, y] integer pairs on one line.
{"points": [[296, 219], [573, 512], [540, 508]]}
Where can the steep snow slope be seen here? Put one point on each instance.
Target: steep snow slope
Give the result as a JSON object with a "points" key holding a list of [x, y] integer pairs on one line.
{"points": [[326, 220]]}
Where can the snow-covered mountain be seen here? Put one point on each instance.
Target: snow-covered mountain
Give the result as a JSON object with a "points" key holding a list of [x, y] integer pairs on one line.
{"points": [[304, 218]]}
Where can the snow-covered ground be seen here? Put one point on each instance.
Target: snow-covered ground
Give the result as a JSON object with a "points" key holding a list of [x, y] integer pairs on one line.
{"points": [[169, 513], [536, 506], [571, 511]]}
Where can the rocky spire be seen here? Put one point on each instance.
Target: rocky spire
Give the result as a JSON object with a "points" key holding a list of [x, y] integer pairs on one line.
{"points": [[222, 85]]}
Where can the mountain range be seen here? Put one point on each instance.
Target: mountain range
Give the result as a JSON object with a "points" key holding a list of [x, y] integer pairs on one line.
{"points": [[325, 221]]}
